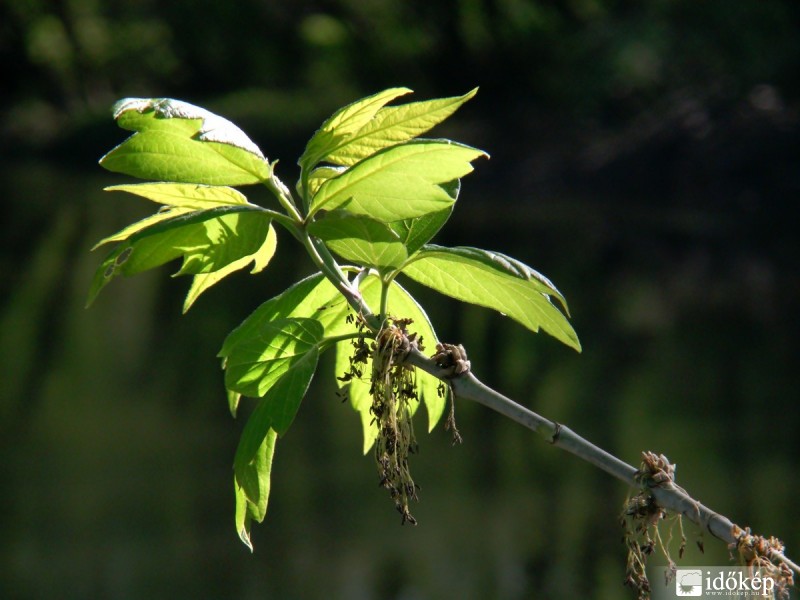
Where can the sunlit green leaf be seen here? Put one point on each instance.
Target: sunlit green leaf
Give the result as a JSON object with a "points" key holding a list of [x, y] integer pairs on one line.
{"points": [[360, 239], [250, 352], [253, 462], [415, 233], [311, 298], [177, 141], [316, 298], [394, 125], [343, 124], [165, 214], [357, 390], [165, 155], [259, 360], [319, 176], [184, 195], [233, 401], [230, 240], [496, 281], [177, 198], [277, 409], [208, 240], [251, 484], [260, 259], [401, 182]]}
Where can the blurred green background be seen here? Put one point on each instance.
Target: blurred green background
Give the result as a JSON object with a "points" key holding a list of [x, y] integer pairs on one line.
{"points": [[644, 156]]}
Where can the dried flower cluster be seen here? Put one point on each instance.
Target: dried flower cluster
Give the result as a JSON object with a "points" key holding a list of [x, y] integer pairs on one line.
{"points": [[393, 389], [758, 553], [641, 519]]}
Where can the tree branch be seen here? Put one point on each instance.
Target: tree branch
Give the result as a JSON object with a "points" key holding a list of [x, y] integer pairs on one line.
{"points": [[666, 493]]}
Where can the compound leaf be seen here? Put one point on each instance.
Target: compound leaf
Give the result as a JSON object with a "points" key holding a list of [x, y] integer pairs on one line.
{"points": [[177, 141], [401, 182], [495, 281], [311, 299]]}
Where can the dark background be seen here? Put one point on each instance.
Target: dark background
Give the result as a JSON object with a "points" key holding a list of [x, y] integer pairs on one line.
{"points": [[644, 156]]}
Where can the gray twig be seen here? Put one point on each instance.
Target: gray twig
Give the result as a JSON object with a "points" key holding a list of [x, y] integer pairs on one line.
{"points": [[669, 496]]}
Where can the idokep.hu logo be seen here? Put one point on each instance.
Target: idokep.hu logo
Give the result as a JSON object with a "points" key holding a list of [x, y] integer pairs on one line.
{"points": [[713, 582], [689, 582]]}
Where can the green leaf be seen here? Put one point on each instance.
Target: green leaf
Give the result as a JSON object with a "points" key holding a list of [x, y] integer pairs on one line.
{"points": [[233, 401], [209, 240], [343, 124], [360, 239], [272, 416], [177, 141], [311, 298], [251, 484], [283, 364], [162, 215], [259, 360], [357, 390], [177, 198], [319, 176], [185, 195], [315, 298], [393, 125], [183, 199], [495, 281], [277, 409], [417, 232], [401, 182], [260, 259]]}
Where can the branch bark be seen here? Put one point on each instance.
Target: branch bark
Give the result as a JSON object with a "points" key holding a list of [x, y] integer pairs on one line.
{"points": [[667, 494]]}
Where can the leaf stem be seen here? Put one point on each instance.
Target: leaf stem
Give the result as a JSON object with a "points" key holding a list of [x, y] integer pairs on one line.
{"points": [[335, 339], [282, 193], [304, 196], [330, 268], [319, 254], [385, 284], [287, 222]]}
